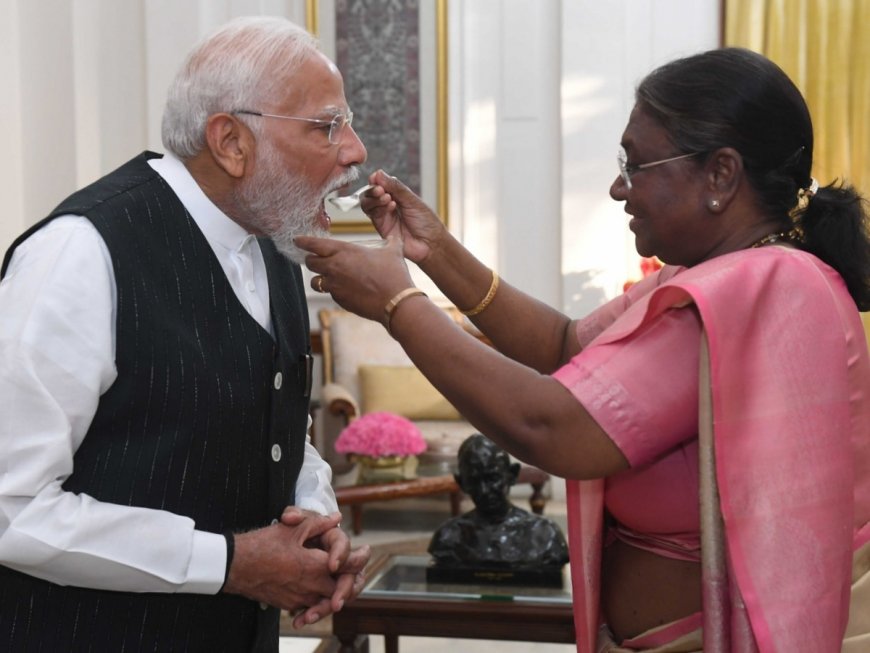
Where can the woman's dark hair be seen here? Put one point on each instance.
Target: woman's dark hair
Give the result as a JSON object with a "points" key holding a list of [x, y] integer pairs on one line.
{"points": [[737, 98]]}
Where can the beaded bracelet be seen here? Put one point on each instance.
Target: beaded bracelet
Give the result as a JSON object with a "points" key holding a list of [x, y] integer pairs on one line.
{"points": [[487, 298], [390, 308]]}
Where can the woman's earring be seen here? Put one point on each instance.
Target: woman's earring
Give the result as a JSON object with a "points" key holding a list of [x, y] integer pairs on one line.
{"points": [[714, 205]]}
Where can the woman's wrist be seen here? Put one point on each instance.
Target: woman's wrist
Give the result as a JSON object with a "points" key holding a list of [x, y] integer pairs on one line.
{"points": [[394, 303], [458, 274], [440, 252], [487, 298]]}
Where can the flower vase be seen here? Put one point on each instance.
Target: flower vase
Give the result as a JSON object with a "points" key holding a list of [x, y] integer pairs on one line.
{"points": [[384, 469]]}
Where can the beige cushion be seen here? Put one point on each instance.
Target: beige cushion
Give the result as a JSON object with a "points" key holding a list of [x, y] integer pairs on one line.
{"points": [[357, 341], [402, 390]]}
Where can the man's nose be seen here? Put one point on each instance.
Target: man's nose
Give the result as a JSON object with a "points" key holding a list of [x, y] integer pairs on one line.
{"points": [[353, 152]]}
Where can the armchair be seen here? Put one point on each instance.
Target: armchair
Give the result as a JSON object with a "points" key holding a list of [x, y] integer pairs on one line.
{"points": [[364, 370]]}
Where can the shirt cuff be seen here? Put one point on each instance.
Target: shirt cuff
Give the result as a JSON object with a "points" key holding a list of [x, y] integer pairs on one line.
{"points": [[208, 564], [326, 504]]}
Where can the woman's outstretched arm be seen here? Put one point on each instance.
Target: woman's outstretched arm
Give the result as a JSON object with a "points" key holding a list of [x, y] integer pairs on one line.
{"points": [[519, 326], [525, 411]]}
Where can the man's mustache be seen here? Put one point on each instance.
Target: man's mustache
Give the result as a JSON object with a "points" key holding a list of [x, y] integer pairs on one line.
{"points": [[352, 174]]}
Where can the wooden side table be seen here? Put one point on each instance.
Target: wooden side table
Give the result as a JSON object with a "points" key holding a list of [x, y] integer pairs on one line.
{"points": [[357, 495], [398, 602]]}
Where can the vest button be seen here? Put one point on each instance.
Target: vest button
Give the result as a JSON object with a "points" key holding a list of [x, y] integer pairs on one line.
{"points": [[279, 379], [276, 452]]}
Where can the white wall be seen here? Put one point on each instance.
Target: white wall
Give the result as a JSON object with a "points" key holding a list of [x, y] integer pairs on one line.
{"points": [[11, 178], [607, 47], [505, 138], [37, 77]]}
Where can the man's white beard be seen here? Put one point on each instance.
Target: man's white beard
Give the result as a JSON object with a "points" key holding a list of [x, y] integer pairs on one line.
{"points": [[285, 206]]}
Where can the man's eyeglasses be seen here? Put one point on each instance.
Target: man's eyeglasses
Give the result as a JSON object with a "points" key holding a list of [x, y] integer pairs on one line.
{"points": [[336, 125], [626, 171]]}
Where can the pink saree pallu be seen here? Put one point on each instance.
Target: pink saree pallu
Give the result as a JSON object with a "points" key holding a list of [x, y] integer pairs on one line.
{"points": [[788, 420]]}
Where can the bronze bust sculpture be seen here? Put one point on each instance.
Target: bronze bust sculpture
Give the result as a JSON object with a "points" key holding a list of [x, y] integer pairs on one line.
{"points": [[496, 541]]}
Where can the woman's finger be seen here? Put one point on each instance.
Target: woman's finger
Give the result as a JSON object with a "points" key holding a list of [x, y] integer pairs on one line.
{"points": [[319, 246]]}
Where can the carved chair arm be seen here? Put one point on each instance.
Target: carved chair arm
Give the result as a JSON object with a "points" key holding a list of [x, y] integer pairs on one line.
{"points": [[339, 401]]}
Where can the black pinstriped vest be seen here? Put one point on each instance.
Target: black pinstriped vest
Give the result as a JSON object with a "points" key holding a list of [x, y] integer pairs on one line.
{"points": [[206, 419]]}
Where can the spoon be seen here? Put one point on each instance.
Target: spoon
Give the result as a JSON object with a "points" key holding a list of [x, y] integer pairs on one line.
{"points": [[348, 202]]}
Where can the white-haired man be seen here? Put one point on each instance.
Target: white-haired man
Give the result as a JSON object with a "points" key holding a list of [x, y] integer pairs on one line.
{"points": [[157, 489]]}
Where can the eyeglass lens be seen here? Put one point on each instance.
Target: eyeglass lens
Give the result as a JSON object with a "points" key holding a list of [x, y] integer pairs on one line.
{"points": [[338, 124], [622, 162]]}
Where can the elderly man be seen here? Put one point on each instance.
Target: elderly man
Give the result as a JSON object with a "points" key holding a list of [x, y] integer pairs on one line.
{"points": [[155, 374]]}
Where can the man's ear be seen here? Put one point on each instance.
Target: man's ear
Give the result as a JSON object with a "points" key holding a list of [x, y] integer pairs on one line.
{"points": [[230, 142], [724, 174]]}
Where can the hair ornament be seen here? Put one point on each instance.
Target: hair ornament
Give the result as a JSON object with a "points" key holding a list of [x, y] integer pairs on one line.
{"points": [[806, 194]]}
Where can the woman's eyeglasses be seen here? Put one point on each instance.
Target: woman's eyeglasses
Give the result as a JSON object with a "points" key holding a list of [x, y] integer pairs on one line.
{"points": [[626, 171]]}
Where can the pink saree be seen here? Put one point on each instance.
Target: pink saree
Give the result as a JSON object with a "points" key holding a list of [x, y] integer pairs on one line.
{"points": [[789, 384]]}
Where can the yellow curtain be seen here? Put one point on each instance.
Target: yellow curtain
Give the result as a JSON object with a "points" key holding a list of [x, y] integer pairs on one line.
{"points": [[824, 46]]}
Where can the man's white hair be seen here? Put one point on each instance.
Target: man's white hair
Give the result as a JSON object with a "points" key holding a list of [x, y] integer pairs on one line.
{"points": [[244, 63]]}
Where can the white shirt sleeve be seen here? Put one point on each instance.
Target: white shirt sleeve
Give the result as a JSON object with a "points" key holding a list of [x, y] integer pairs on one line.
{"points": [[56, 359], [314, 486]]}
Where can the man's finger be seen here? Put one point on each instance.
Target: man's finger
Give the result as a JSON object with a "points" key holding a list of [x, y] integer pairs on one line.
{"points": [[357, 560], [337, 543], [312, 614], [292, 516], [312, 525]]}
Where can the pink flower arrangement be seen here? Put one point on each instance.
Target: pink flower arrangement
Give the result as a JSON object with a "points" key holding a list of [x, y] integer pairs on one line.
{"points": [[381, 434]]}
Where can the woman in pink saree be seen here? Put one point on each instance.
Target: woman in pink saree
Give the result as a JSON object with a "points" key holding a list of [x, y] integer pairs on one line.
{"points": [[718, 413]]}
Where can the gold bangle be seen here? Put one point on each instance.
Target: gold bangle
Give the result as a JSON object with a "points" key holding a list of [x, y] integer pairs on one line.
{"points": [[390, 308], [487, 299]]}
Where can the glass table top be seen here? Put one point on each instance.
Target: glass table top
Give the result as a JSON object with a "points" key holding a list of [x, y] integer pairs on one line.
{"points": [[405, 576]]}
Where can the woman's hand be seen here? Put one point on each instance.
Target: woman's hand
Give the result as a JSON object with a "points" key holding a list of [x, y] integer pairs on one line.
{"points": [[395, 210], [360, 279]]}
